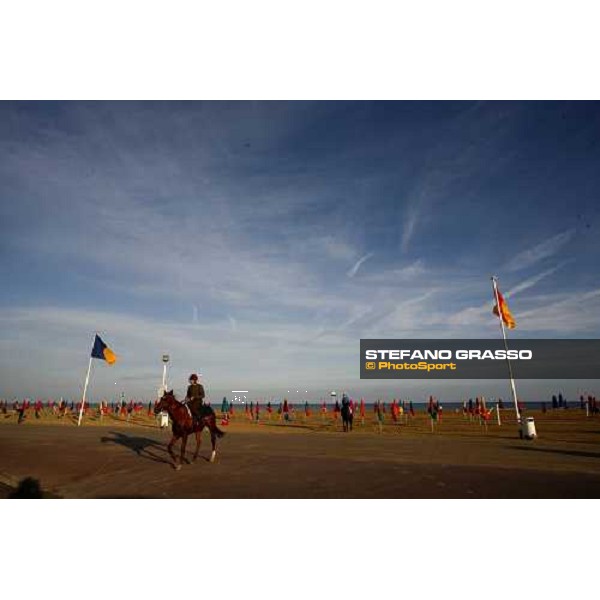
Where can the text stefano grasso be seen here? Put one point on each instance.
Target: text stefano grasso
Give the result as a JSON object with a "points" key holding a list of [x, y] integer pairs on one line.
{"points": [[449, 354]]}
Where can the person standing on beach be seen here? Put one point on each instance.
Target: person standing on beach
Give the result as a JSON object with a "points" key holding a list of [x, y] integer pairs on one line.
{"points": [[345, 400], [20, 408], [285, 410], [224, 408], [379, 415]]}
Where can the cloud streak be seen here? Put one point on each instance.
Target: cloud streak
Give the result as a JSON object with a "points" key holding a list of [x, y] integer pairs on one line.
{"points": [[531, 281], [540, 251], [356, 266]]}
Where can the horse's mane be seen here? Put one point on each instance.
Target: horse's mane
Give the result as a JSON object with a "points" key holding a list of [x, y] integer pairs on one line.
{"points": [[170, 395]]}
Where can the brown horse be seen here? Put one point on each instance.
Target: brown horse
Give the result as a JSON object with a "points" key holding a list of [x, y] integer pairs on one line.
{"points": [[183, 426]]}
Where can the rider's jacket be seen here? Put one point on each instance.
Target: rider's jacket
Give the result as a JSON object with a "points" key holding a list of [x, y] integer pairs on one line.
{"points": [[195, 391]]}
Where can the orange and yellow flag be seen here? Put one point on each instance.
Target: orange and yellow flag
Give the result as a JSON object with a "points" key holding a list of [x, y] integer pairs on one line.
{"points": [[507, 317]]}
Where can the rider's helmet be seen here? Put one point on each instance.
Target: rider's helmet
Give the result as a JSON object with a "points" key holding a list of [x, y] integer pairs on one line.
{"points": [[193, 377]]}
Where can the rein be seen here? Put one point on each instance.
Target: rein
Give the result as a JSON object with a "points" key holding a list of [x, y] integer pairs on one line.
{"points": [[178, 411]]}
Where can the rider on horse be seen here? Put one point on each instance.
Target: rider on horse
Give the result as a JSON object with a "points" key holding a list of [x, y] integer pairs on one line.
{"points": [[346, 402], [194, 397]]}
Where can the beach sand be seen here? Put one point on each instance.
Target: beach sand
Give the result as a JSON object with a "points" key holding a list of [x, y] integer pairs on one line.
{"points": [[308, 458]]}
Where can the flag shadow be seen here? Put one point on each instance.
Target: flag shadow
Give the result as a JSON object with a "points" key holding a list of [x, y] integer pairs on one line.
{"points": [[142, 446]]}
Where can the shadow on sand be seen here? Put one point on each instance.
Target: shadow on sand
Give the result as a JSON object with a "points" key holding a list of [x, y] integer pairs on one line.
{"points": [[142, 446], [288, 425], [565, 452], [28, 489]]}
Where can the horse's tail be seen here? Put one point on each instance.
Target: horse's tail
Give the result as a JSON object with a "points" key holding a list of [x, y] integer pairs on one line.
{"points": [[214, 427]]}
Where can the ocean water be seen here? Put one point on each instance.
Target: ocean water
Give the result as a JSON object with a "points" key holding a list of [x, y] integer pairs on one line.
{"points": [[315, 407]]}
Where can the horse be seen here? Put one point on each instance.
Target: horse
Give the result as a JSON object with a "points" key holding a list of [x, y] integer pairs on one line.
{"points": [[347, 417], [183, 426]]}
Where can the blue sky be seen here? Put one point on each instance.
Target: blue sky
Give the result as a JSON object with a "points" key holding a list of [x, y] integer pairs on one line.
{"points": [[257, 242]]}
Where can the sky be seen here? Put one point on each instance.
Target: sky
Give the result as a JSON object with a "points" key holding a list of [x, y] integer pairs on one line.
{"points": [[258, 242]]}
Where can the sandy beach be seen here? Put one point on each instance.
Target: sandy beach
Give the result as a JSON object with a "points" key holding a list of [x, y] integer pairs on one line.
{"points": [[308, 458]]}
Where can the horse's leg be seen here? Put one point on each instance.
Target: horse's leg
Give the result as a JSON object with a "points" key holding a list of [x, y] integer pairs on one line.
{"points": [[173, 456], [183, 445], [198, 440], [213, 439]]}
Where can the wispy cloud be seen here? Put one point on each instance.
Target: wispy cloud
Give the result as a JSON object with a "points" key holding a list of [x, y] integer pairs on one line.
{"points": [[575, 315], [540, 251], [531, 281], [410, 224], [356, 266], [232, 323], [401, 274]]}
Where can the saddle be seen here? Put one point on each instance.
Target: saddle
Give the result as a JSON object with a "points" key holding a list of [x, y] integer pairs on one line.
{"points": [[185, 403], [203, 412]]}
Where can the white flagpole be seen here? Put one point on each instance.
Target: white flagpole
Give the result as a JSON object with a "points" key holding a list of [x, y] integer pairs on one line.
{"points": [[87, 380], [510, 373]]}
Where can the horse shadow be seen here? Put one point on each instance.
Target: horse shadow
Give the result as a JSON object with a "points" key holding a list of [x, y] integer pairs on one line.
{"points": [[142, 446]]}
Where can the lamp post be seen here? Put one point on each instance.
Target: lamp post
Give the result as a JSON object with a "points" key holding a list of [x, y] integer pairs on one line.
{"points": [[164, 416], [165, 359]]}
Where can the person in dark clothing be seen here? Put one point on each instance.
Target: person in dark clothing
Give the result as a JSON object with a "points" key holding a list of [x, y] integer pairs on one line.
{"points": [[345, 400], [195, 396]]}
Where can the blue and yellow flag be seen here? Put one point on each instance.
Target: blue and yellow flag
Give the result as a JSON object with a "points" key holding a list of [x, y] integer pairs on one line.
{"points": [[102, 351]]}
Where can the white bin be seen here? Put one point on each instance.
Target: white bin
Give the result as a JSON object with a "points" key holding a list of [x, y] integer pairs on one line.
{"points": [[528, 428], [164, 419]]}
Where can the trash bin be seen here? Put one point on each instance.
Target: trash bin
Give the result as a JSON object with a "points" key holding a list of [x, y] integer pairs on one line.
{"points": [[528, 429], [164, 419]]}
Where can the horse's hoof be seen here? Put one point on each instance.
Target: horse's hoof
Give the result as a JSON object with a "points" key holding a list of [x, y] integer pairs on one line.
{"points": [[177, 467], [212, 457]]}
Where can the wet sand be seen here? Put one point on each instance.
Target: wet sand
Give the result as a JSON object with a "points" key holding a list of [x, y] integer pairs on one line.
{"points": [[308, 459]]}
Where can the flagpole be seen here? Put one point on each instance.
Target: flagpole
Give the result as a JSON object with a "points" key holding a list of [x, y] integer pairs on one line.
{"points": [[87, 380], [512, 379]]}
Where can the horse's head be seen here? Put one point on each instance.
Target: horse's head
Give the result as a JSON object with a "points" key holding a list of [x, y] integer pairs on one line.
{"points": [[165, 402]]}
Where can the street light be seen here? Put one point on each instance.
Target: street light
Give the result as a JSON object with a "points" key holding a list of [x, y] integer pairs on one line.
{"points": [[165, 359]]}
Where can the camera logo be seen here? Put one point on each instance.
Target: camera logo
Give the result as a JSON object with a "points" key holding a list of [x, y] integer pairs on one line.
{"points": [[370, 366]]}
